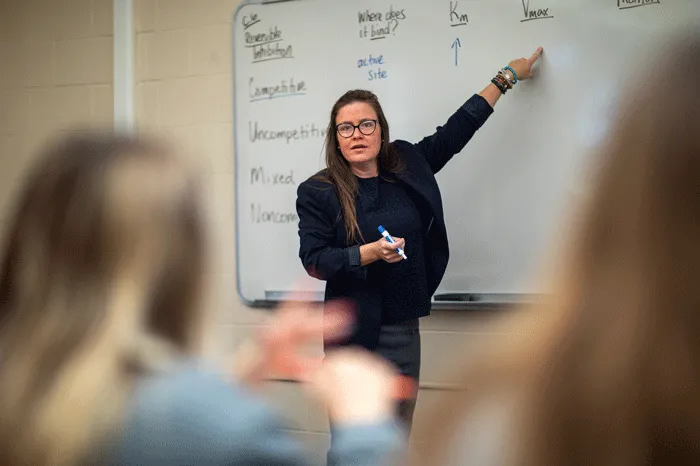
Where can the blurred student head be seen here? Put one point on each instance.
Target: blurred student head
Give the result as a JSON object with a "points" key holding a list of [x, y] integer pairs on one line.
{"points": [[100, 277], [606, 370]]}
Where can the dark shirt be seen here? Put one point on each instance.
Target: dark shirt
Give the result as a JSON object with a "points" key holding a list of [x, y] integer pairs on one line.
{"points": [[403, 285]]}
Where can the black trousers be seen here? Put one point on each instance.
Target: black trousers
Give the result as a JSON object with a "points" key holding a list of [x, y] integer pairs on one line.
{"points": [[400, 345]]}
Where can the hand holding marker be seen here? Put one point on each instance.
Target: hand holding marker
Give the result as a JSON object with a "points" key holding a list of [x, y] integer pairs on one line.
{"points": [[388, 237]]}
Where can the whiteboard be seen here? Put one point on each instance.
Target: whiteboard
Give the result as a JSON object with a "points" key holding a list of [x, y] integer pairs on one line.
{"points": [[505, 193]]}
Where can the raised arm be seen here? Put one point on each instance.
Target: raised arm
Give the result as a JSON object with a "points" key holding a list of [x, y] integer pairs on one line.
{"points": [[449, 139], [522, 67]]}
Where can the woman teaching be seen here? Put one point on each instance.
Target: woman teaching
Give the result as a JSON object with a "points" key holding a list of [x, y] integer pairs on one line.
{"points": [[371, 181]]}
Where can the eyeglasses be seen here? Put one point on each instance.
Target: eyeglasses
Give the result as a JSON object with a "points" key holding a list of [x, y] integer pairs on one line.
{"points": [[366, 127]]}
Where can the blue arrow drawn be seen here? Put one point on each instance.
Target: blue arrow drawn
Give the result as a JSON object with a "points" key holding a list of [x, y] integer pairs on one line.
{"points": [[456, 45]]}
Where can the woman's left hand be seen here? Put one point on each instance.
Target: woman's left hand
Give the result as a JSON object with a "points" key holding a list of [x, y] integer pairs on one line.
{"points": [[523, 66]]}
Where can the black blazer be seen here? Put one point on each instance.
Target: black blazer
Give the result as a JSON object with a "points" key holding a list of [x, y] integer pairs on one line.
{"points": [[325, 250]]}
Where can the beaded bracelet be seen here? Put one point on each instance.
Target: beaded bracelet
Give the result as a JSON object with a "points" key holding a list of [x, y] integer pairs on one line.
{"points": [[500, 82], [506, 78], [511, 81], [500, 85], [515, 76]]}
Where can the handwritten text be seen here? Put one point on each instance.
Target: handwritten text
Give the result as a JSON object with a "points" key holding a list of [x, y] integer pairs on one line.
{"points": [[249, 21], [457, 19], [285, 88], [259, 214], [258, 175], [304, 131], [626, 4], [532, 14], [381, 24]]}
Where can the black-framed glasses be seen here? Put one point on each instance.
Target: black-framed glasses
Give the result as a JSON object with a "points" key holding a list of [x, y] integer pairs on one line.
{"points": [[366, 127]]}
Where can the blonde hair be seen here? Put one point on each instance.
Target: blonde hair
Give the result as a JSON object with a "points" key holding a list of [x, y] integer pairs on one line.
{"points": [[100, 280], [607, 369]]}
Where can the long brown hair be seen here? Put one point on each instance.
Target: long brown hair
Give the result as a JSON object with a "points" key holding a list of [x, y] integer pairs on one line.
{"points": [[607, 371], [338, 171], [99, 280]]}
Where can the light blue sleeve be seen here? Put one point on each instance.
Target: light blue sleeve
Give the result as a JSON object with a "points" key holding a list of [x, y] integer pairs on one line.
{"points": [[194, 417], [367, 444]]}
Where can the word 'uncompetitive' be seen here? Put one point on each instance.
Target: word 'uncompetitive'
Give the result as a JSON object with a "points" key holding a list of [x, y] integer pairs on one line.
{"points": [[304, 131]]}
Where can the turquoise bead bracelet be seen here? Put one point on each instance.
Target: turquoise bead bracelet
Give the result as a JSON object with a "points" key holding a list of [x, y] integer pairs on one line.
{"points": [[515, 76]]}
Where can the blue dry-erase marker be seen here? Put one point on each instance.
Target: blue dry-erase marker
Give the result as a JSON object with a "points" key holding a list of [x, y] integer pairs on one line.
{"points": [[391, 240]]}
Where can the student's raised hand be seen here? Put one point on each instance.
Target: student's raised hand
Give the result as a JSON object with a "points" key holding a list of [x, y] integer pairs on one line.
{"points": [[523, 66], [356, 386], [386, 251], [280, 348]]}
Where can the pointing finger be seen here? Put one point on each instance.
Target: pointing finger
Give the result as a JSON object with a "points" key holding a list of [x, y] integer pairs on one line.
{"points": [[535, 56]]}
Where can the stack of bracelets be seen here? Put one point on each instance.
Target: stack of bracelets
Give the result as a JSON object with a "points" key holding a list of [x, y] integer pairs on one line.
{"points": [[503, 81]]}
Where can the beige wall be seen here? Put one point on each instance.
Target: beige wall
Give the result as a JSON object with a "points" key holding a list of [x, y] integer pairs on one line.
{"points": [[57, 72], [183, 92], [56, 76]]}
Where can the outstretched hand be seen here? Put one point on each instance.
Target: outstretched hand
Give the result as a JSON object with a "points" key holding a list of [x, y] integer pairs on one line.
{"points": [[279, 350], [280, 347], [523, 66]]}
